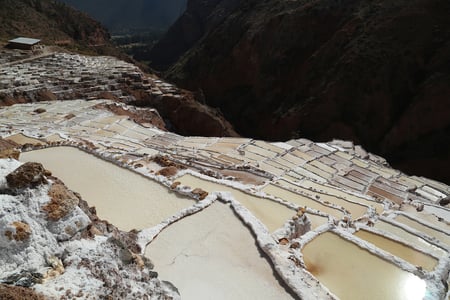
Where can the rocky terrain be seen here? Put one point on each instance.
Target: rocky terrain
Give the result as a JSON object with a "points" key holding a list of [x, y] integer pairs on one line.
{"points": [[289, 195], [26, 77], [55, 24], [107, 202], [372, 72], [198, 19], [53, 242]]}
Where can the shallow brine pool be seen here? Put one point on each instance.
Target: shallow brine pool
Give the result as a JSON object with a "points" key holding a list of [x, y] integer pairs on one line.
{"points": [[124, 198]]}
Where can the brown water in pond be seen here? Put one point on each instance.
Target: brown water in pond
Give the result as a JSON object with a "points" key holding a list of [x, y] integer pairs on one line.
{"points": [[272, 214], [23, 139], [411, 238], [122, 197], [357, 210], [411, 255], [428, 215], [439, 235], [301, 200], [351, 272], [334, 191]]}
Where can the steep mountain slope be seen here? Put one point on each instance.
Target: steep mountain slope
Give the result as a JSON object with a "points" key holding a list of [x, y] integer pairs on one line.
{"points": [[200, 16], [53, 22], [376, 72], [119, 14]]}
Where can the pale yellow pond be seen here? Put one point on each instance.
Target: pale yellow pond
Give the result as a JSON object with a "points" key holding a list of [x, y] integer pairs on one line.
{"points": [[411, 238], [272, 214], [351, 272], [439, 235], [409, 254], [124, 198], [301, 200], [213, 255]]}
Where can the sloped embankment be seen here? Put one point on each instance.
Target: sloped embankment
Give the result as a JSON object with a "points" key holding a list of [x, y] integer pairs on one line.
{"points": [[52, 244]]}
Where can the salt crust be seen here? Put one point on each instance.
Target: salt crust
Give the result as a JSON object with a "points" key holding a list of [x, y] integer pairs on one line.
{"points": [[302, 282], [83, 259]]}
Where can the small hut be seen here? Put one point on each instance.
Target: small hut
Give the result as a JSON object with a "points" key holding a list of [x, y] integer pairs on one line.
{"points": [[23, 43]]}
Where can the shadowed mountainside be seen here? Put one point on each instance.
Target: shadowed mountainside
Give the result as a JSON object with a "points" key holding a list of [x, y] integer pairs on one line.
{"points": [[54, 23], [375, 72], [119, 14]]}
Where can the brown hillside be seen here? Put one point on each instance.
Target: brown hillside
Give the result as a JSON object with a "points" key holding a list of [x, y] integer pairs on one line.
{"points": [[376, 72], [52, 22]]}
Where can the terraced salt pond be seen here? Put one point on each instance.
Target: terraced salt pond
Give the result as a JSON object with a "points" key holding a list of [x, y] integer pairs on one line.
{"points": [[301, 200], [212, 255], [22, 139], [272, 214], [124, 198], [411, 238], [307, 184], [411, 255], [351, 272], [439, 235]]}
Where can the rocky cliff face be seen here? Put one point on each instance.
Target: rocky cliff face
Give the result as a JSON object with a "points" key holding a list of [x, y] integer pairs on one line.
{"points": [[52, 245], [53, 22], [373, 72], [200, 16]]}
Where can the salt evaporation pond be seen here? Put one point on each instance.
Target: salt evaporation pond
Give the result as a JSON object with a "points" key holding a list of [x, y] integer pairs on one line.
{"points": [[398, 249], [301, 200], [272, 214], [411, 238], [438, 235], [351, 272], [212, 255], [124, 198]]}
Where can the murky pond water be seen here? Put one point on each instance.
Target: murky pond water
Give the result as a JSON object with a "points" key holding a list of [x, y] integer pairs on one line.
{"points": [[272, 214], [301, 200], [431, 215], [409, 237], [351, 272], [23, 139], [212, 255], [439, 235], [336, 192], [124, 198], [355, 209], [409, 254]]}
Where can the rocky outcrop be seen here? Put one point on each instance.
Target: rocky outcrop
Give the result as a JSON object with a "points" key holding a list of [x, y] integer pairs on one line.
{"points": [[21, 231], [27, 175], [9, 149], [18, 293], [62, 202], [52, 243], [374, 73], [84, 77], [168, 171], [143, 116], [199, 193], [184, 114]]}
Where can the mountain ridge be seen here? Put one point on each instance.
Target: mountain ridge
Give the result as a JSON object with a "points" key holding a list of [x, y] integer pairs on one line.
{"points": [[118, 14], [359, 70]]}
